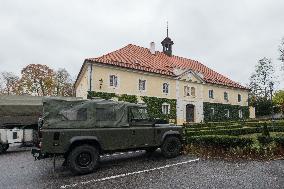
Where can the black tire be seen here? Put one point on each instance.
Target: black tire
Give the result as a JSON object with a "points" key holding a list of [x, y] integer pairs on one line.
{"points": [[171, 147], [1, 149], [6, 146], [83, 159]]}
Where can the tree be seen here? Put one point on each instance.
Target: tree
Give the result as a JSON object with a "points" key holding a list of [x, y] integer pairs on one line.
{"points": [[37, 79], [63, 83], [281, 50], [259, 86], [262, 77], [8, 82], [278, 99]]}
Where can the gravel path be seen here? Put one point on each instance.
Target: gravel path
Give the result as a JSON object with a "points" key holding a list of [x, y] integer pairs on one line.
{"points": [[136, 170]]}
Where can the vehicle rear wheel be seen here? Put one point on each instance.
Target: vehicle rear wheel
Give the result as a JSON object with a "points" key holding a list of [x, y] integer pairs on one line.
{"points": [[1, 148], [6, 146], [171, 147], [83, 159]]}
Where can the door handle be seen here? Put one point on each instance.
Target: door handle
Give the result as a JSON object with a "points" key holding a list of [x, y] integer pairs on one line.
{"points": [[133, 132]]}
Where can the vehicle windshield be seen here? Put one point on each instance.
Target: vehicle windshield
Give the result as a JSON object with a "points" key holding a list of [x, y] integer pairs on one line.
{"points": [[139, 114]]}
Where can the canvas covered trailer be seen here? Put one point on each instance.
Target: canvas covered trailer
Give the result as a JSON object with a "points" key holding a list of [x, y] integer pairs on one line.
{"points": [[18, 120], [19, 115]]}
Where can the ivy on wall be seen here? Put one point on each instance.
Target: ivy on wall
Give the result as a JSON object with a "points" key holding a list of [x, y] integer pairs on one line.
{"points": [[154, 106], [220, 112], [107, 96], [128, 98], [102, 95]]}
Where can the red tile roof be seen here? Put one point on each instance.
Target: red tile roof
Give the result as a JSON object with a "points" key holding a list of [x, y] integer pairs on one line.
{"points": [[140, 58]]}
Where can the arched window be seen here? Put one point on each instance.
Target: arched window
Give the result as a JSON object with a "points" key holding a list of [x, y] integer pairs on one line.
{"points": [[165, 88]]}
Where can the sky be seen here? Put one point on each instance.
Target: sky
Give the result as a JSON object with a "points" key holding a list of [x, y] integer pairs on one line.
{"points": [[228, 36]]}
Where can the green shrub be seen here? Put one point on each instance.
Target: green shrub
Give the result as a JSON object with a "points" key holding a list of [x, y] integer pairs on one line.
{"points": [[223, 141], [265, 131], [264, 140], [279, 140]]}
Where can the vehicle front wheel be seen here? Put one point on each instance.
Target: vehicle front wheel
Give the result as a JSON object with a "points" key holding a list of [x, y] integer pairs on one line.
{"points": [[171, 147], [83, 159]]}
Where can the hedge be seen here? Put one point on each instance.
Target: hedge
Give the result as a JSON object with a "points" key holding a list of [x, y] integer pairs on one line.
{"points": [[209, 124], [235, 132], [279, 140], [259, 124], [223, 141], [214, 128]]}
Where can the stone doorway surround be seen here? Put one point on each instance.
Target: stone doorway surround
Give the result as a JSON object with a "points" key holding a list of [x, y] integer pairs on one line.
{"points": [[181, 111]]}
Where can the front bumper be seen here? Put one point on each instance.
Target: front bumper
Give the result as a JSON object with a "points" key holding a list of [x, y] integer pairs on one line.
{"points": [[37, 154]]}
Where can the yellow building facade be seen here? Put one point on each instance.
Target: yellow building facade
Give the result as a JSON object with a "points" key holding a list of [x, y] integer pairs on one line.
{"points": [[197, 93]]}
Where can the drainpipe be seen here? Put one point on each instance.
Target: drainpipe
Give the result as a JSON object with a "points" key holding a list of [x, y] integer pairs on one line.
{"points": [[90, 76]]}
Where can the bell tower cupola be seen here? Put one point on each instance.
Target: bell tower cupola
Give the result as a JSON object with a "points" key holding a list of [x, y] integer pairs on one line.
{"points": [[167, 44]]}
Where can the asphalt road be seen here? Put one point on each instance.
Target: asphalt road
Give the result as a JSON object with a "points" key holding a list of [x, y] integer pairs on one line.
{"points": [[135, 170]]}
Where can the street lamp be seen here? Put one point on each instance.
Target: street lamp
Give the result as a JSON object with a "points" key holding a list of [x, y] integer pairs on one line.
{"points": [[272, 111]]}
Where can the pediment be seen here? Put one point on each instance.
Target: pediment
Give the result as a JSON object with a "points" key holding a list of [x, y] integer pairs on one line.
{"points": [[190, 76]]}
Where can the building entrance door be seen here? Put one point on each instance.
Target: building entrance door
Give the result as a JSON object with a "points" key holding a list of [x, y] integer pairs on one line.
{"points": [[189, 113]]}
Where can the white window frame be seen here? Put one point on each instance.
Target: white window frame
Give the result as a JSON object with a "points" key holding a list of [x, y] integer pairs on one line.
{"points": [[212, 111], [211, 94], [114, 83], [240, 114], [186, 90], [166, 108], [165, 88], [140, 86], [227, 114]]}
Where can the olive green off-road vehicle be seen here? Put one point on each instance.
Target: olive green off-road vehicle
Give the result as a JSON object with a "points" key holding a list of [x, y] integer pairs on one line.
{"points": [[82, 130]]}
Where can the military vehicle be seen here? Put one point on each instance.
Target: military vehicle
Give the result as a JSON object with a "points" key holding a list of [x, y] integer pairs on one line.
{"points": [[82, 130], [18, 120]]}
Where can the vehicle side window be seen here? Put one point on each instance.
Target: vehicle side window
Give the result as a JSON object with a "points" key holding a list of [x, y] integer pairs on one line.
{"points": [[105, 114], [75, 115], [138, 114]]}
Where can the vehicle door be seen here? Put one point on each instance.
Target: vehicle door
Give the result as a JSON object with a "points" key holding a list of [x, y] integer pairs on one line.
{"points": [[112, 137], [142, 130]]}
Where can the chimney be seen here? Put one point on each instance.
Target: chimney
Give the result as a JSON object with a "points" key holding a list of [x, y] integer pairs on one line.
{"points": [[152, 48]]}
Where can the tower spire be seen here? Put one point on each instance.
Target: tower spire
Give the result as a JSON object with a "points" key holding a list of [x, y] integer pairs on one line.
{"points": [[167, 43], [167, 29]]}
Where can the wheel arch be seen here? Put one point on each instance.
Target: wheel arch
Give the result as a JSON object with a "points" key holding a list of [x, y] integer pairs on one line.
{"points": [[171, 133], [80, 140]]}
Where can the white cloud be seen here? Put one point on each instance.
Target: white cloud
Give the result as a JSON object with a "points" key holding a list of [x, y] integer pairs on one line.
{"points": [[228, 36]]}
